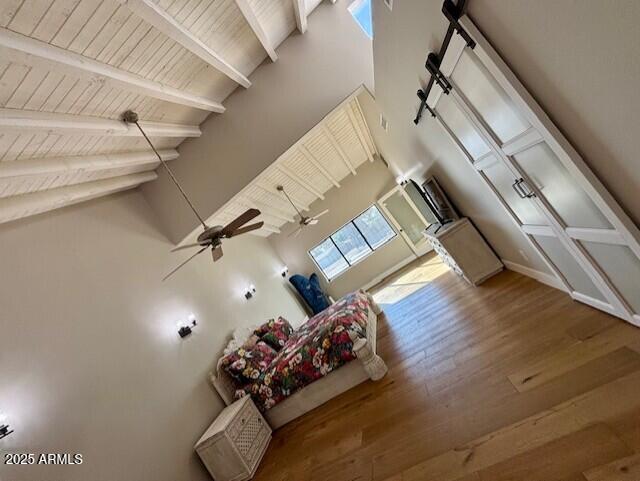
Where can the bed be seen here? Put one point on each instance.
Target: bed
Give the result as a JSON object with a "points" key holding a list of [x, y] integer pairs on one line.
{"points": [[349, 327]]}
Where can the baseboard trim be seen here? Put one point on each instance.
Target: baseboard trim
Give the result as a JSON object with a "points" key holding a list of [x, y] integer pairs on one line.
{"points": [[547, 279], [388, 272]]}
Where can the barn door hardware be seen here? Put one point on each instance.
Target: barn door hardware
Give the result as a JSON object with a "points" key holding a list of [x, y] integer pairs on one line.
{"points": [[423, 105], [433, 66], [453, 13]]}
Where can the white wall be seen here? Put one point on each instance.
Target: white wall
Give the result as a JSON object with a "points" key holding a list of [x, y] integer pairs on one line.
{"points": [[356, 194], [313, 74], [91, 361], [577, 57]]}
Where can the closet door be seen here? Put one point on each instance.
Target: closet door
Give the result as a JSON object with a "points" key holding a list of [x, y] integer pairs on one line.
{"points": [[544, 185]]}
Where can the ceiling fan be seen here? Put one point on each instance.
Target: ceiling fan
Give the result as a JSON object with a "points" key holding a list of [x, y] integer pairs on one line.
{"points": [[304, 220], [211, 237]]}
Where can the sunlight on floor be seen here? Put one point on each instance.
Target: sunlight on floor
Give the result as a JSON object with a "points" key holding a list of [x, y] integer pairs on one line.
{"points": [[409, 280]]}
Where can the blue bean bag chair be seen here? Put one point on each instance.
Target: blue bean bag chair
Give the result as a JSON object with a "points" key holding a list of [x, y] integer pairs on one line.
{"points": [[311, 292]]}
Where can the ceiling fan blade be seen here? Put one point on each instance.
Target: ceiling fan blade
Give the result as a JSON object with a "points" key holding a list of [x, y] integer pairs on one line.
{"points": [[239, 221], [296, 232], [188, 246], [321, 214], [246, 228], [174, 270], [216, 253]]}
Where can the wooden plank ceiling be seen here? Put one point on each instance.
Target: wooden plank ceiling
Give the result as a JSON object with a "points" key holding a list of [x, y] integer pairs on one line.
{"points": [[319, 161], [69, 68]]}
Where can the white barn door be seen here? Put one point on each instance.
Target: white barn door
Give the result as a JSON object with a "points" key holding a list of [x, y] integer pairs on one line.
{"points": [[544, 185]]}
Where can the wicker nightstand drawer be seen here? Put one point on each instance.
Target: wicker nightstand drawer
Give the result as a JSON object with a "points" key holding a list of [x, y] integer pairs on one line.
{"points": [[234, 444]]}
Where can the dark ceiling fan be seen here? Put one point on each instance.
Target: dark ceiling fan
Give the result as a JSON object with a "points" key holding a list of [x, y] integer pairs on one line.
{"points": [[304, 220], [211, 237]]}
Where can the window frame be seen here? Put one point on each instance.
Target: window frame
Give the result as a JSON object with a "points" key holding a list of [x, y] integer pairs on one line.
{"points": [[344, 257]]}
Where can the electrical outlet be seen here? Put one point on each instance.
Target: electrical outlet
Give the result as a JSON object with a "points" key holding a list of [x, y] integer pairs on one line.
{"points": [[524, 256]]}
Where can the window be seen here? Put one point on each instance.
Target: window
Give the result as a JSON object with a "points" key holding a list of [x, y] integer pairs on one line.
{"points": [[352, 242], [361, 11]]}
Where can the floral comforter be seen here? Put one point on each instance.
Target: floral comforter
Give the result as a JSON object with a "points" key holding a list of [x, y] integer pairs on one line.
{"points": [[322, 344]]}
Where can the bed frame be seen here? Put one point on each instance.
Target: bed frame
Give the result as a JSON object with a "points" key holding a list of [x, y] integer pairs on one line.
{"points": [[367, 366]]}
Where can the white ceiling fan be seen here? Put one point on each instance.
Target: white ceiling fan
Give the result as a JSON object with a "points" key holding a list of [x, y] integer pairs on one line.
{"points": [[304, 220]]}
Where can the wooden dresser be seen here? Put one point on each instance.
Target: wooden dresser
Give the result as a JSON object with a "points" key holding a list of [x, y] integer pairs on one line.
{"points": [[464, 250], [234, 444]]}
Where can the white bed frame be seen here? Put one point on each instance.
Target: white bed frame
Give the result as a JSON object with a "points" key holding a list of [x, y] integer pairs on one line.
{"points": [[368, 366]]}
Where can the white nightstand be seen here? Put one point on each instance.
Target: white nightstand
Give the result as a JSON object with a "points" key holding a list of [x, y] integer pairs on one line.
{"points": [[234, 444]]}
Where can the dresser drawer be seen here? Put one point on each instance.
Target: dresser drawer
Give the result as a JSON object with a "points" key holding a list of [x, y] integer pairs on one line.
{"points": [[464, 250]]}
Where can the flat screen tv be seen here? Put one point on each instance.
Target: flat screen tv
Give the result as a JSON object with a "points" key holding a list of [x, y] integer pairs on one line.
{"points": [[439, 203]]}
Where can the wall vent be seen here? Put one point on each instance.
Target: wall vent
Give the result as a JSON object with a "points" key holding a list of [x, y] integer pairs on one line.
{"points": [[389, 4], [383, 123]]}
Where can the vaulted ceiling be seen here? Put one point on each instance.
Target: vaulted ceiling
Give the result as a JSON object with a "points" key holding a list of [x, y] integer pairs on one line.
{"points": [[69, 68], [316, 163]]}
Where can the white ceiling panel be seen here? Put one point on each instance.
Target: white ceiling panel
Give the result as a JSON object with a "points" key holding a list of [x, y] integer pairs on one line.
{"points": [[98, 58], [304, 169]]}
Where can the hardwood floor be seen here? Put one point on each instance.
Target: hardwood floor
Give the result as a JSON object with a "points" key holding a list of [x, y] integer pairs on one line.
{"points": [[508, 381]]}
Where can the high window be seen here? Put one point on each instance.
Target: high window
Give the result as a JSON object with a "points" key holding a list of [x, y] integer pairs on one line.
{"points": [[352, 242], [361, 11]]}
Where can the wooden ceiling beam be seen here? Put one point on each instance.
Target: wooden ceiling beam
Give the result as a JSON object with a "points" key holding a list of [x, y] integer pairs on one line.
{"points": [[82, 163], [25, 205], [20, 49], [157, 17], [338, 148], [366, 126], [61, 124], [251, 18], [311, 158], [359, 133], [299, 180], [274, 191], [300, 13], [271, 228]]}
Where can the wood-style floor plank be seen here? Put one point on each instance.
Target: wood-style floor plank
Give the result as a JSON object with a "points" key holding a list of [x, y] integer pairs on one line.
{"points": [[626, 469], [454, 405], [572, 357], [561, 459]]}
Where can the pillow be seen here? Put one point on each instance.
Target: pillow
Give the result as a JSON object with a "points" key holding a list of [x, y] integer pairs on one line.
{"points": [[311, 292], [240, 336], [275, 333], [245, 364]]}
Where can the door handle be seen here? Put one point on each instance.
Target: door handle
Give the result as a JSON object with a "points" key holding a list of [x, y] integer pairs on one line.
{"points": [[518, 188], [529, 192]]}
